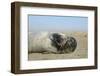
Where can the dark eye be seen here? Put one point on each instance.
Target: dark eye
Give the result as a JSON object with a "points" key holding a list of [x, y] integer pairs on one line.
{"points": [[58, 40]]}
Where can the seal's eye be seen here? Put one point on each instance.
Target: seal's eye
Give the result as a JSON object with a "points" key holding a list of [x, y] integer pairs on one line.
{"points": [[59, 40], [57, 37]]}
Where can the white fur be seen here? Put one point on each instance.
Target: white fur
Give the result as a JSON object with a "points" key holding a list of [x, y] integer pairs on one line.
{"points": [[41, 42]]}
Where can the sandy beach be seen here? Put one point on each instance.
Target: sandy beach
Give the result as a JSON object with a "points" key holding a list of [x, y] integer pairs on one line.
{"points": [[80, 52]]}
